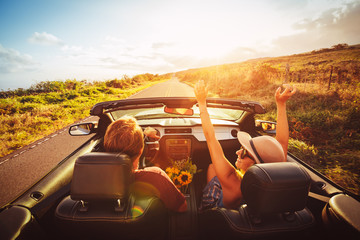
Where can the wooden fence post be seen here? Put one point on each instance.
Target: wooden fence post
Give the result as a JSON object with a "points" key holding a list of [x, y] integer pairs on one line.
{"points": [[287, 73], [331, 71]]}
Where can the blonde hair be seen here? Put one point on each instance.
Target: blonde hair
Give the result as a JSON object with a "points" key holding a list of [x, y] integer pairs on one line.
{"points": [[124, 136]]}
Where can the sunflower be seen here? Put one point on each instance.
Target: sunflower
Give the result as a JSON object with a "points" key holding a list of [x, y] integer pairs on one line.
{"points": [[177, 183], [172, 170], [185, 178], [181, 173]]}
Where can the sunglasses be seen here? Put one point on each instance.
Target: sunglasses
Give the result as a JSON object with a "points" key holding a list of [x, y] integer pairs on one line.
{"points": [[245, 153]]}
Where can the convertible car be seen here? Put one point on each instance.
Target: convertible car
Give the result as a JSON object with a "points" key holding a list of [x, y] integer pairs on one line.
{"points": [[88, 195]]}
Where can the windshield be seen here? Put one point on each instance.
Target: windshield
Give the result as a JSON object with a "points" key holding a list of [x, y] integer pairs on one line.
{"points": [[158, 112]]}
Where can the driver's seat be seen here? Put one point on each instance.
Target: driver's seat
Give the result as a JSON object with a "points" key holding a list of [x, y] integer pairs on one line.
{"points": [[100, 205]]}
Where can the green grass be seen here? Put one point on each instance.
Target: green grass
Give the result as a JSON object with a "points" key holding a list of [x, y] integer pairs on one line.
{"points": [[29, 115]]}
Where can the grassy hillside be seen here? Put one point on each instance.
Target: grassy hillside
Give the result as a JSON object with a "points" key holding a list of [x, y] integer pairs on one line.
{"points": [[29, 115], [323, 115]]}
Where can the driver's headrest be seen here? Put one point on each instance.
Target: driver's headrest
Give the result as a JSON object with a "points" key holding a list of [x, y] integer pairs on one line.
{"points": [[101, 176], [275, 187]]}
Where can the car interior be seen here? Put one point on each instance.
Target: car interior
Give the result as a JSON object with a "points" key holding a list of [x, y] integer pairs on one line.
{"points": [[88, 195]]}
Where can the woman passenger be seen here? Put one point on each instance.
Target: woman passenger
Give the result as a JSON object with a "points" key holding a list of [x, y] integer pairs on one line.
{"points": [[223, 179]]}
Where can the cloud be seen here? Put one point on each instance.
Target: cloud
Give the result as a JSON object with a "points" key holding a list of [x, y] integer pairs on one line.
{"points": [[288, 4], [115, 54], [145, 57], [73, 51], [161, 45], [134, 63], [11, 61], [336, 25], [46, 39]]}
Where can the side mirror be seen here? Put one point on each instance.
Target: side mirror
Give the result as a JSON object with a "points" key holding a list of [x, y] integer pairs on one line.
{"points": [[265, 126], [179, 111], [83, 129]]}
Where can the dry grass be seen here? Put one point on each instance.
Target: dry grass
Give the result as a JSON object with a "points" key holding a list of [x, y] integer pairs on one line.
{"points": [[324, 122]]}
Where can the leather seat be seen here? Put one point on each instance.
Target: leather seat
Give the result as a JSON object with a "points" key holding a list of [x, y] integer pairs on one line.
{"points": [[275, 196], [100, 205]]}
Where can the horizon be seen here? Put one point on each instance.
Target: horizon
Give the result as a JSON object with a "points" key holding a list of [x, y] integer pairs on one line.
{"points": [[59, 40]]}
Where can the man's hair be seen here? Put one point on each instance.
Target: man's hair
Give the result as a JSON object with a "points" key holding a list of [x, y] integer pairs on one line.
{"points": [[124, 136]]}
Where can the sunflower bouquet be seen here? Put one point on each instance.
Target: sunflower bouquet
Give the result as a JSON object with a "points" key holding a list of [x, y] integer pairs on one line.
{"points": [[181, 173]]}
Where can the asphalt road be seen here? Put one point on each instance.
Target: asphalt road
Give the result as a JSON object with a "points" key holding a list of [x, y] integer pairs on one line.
{"points": [[22, 168], [171, 88]]}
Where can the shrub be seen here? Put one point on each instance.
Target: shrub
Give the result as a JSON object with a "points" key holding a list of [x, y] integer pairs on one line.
{"points": [[27, 107], [9, 106], [31, 99], [115, 83], [48, 86], [53, 98], [89, 92], [302, 150], [73, 84], [70, 95]]}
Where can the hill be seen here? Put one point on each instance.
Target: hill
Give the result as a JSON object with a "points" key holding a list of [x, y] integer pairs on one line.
{"points": [[27, 115], [323, 115]]}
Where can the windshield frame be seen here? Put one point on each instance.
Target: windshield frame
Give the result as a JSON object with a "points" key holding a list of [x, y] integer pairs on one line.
{"points": [[157, 112], [176, 102]]}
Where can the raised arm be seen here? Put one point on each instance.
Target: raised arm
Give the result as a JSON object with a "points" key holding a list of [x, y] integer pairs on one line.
{"points": [[282, 129], [225, 171]]}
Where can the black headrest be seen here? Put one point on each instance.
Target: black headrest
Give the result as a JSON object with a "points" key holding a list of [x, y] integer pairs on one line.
{"points": [[101, 176], [275, 187]]}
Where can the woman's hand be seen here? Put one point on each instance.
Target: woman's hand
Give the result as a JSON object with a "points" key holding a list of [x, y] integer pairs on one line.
{"points": [[201, 92], [282, 128], [282, 97]]}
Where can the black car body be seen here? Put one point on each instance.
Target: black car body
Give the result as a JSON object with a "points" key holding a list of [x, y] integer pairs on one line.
{"points": [[290, 200]]}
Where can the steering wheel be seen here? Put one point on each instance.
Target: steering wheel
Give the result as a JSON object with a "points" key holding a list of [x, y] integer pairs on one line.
{"points": [[151, 147]]}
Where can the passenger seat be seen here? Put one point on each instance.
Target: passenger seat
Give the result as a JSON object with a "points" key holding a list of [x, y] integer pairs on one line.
{"points": [[275, 196]]}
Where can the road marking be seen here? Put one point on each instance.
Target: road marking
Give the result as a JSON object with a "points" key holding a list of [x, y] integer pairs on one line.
{"points": [[4, 161], [167, 94], [41, 142]]}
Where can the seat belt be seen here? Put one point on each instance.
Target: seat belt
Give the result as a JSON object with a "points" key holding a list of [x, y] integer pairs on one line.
{"points": [[319, 197]]}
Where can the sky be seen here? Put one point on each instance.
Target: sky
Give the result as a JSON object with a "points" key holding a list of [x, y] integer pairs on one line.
{"points": [[47, 40]]}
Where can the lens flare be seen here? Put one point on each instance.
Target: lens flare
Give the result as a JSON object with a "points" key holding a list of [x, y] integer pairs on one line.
{"points": [[136, 211]]}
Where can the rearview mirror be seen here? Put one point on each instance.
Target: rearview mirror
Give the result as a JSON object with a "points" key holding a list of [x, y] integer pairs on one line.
{"points": [[265, 126], [83, 129], [180, 111]]}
